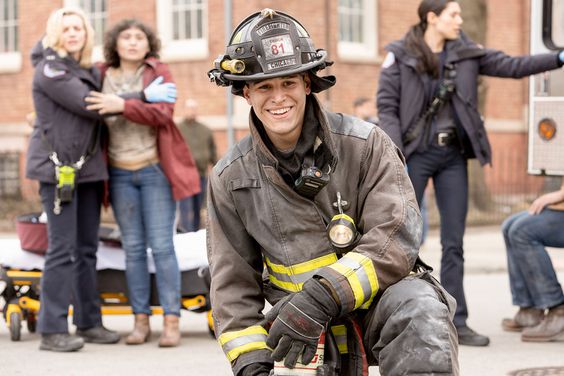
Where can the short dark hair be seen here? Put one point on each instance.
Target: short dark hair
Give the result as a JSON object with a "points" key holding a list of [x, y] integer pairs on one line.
{"points": [[110, 40]]}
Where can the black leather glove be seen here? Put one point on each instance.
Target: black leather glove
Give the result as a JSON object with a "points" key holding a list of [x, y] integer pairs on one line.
{"points": [[256, 369], [297, 323]]}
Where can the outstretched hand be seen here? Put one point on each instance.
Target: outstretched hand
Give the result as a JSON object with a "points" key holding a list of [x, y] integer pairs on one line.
{"points": [[104, 103], [156, 91]]}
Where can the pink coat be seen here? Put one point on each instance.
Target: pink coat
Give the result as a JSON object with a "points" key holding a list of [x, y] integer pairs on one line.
{"points": [[174, 155]]}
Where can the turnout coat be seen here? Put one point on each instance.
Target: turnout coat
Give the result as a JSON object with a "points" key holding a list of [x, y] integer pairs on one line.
{"points": [[256, 219]]}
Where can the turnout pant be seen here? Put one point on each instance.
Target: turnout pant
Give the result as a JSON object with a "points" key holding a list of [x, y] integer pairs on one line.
{"points": [[409, 331]]}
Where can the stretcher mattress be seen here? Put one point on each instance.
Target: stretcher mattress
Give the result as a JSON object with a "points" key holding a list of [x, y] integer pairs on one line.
{"points": [[190, 252]]}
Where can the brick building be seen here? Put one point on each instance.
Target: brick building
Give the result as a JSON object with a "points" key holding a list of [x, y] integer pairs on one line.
{"points": [[193, 34]]}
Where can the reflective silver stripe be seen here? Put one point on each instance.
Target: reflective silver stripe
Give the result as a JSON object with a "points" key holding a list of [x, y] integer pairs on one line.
{"points": [[295, 278], [360, 273], [350, 263], [241, 341]]}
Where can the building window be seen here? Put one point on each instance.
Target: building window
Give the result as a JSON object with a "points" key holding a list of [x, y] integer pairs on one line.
{"points": [[182, 26], [10, 56], [97, 13], [9, 175], [357, 29]]}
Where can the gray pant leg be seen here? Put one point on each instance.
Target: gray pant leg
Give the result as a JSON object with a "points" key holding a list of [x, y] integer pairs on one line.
{"points": [[410, 331]]}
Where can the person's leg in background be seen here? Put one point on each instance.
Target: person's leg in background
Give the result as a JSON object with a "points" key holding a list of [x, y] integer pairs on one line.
{"points": [[186, 214], [189, 209], [528, 315], [529, 237], [158, 216], [125, 195], [425, 218], [86, 301], [56, 280], [451, 192]]}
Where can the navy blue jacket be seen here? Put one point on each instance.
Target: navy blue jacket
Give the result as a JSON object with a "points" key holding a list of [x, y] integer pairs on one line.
{"points": [[401, 97], [59, 88]]}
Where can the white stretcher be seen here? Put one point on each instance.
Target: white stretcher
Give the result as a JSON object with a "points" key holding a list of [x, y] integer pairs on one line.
{"points": [[190, 252], [20, 274]]}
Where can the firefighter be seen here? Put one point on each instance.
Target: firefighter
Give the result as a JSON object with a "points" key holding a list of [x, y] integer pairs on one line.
{"points": [[314, 212]]}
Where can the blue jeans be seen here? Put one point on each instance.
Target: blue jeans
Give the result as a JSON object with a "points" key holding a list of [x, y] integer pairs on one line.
{"points": [[144, 209], [189, 209], [448, 169], [532, 277]]}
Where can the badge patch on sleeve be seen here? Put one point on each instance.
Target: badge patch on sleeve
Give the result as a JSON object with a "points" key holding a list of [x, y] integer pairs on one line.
{"points": [[389, 60], [52, 72]]}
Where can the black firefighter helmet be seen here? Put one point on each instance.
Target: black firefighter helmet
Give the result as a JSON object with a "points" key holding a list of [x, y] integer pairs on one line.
{"points": [[266, 45]]}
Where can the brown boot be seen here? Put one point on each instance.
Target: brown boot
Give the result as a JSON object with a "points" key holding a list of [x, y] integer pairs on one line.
{"points": [[141, 330], [549, 330], [524, 318], [171, 332]]}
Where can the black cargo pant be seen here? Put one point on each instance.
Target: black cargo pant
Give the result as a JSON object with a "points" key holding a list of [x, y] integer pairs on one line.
{"points": [[448, 169], [409, 331], [69, 274]]}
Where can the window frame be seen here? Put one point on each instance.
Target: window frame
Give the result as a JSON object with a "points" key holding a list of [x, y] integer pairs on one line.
{"points": [[11, 61], [368, 49], [184, 49]]}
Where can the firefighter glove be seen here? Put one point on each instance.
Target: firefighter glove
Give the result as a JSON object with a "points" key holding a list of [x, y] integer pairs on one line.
{"points": [[157, 91], [297, 323]]}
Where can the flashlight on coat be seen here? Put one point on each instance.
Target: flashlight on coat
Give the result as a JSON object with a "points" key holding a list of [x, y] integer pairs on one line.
{"points": [[341, 230]]}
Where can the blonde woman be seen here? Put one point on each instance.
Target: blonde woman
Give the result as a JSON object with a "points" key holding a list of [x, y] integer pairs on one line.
{"points": [[65, 139]]}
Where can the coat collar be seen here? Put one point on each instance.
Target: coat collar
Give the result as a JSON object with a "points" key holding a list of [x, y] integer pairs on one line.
{"points": [[458, 49], [265, 156]]}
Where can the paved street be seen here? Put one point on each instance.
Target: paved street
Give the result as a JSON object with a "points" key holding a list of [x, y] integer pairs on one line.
{"points": [[487, 293]]}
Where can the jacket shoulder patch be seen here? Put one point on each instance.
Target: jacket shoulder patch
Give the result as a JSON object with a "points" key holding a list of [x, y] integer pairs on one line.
{"points": [[389, 60], [51, 72], [236, 152], [349, 125]]}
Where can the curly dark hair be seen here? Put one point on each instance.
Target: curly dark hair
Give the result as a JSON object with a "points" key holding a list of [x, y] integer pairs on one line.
{"points": [[111, 37]]}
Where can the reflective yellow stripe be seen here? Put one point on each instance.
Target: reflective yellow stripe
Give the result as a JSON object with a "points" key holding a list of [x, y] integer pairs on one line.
{"points": [[288, 286], [340, 333], [368, 267], [361, 275], [242, 341], [344, 216], [303, 267], [291, 278]]}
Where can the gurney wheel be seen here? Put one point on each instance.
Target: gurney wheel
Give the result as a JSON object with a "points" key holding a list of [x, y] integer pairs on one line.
{"points": [[211, 329], [31, 323], [15, 326]]}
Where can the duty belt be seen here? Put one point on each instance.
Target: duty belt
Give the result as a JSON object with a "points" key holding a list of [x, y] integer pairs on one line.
{"points": [[445, 138]]}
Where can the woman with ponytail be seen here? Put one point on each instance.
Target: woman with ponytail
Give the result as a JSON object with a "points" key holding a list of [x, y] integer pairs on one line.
{"points": [[427, 103]]}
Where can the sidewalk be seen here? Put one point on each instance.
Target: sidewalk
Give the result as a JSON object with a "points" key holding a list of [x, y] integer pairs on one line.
{"points": [[487, 290]]}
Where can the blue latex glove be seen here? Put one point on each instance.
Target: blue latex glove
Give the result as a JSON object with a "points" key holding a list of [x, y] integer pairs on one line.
{"points": [[561, 56], [159, 92]]}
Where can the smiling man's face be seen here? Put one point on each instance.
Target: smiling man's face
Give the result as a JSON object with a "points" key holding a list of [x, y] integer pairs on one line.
{"points": [[279, 103]]}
